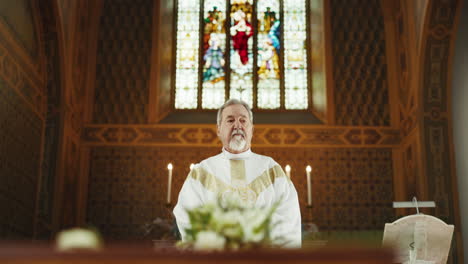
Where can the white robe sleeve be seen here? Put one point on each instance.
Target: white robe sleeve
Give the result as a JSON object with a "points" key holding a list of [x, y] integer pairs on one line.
{"points": [[287, 217], [189, 198]]}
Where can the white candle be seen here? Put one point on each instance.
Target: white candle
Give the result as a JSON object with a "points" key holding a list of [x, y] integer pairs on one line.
{"points": [[288, 171], [191, 166], [309, 185], [169, 182]]}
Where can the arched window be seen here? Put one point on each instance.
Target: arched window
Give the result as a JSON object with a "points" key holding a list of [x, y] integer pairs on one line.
{"points": [[258, 51]]}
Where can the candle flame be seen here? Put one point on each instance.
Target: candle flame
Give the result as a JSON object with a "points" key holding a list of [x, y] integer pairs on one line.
{"points": [[288, 168], [169, 166], [308, 168]]}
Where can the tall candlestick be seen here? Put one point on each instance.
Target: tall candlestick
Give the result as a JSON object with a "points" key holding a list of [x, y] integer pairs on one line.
{"points": [[169, 182], [309, 185], [288, 171]]}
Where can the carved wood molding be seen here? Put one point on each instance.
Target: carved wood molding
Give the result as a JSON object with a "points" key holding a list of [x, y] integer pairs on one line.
{"points": [[264, 136]]}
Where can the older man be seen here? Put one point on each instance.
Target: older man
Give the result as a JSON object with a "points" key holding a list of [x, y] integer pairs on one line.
{"points": [[258, 180]]}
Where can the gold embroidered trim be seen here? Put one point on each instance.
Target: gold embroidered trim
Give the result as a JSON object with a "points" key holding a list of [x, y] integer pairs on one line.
{"points": [[261, 183], [266, 179], [238, 178], [208, 180]]}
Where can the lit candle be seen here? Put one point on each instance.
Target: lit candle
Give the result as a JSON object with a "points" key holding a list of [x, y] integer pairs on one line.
{"points": [[191, 166], [288, 171], [169, 182], [309, 185]]}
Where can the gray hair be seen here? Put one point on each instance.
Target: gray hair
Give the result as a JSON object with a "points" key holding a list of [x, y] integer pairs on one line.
{"points": [[233, 102]]}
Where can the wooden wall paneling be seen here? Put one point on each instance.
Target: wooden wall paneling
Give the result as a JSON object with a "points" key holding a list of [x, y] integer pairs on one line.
{"points": [[154, 71], [128, 186], [164, 63], [316, 57], [297, 136], [329, 67], [391, 49], [410, 67], [43, 225], [399, 183], [41, 60], [95, 9], [62, 58], [66, 14], [76, 75], [417, 11]]}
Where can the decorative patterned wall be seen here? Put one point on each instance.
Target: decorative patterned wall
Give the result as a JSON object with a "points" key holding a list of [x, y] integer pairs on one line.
{"points": [[436, 120], [264, 135], [22, 114], [20, 151], [359, 63], [123, 62], [352, 188]]}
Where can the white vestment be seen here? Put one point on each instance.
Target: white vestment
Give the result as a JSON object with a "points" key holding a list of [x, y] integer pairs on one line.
{"points": [[258, 180]]}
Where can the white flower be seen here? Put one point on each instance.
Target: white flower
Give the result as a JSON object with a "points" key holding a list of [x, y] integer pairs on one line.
{"points": [[229, 218], [253, 225], [228, 223], [209, 240], [78, 238]]}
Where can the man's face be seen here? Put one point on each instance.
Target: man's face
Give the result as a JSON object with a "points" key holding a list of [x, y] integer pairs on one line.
{"points": [[235, 130]]}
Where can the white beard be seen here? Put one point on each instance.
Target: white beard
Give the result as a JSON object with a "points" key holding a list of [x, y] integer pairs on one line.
{"points": [[237, 143]]}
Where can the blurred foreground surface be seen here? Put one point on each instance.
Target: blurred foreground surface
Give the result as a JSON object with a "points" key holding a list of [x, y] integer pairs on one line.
{"points": [[165, 252]]}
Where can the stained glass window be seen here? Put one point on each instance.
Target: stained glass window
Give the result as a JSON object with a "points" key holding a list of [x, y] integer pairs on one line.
{"points": [[186, 82], [252, 50], [269, 48], [295, 59], [214, 49]]}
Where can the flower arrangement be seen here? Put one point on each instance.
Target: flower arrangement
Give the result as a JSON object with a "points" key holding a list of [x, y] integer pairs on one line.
{"points": [[228, 225]]}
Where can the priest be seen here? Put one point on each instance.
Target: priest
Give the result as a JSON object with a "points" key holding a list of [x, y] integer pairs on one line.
{"points": [[258, 180]]}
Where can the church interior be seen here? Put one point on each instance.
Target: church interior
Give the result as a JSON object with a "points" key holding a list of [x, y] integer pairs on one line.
{"points": [[97, 97]]}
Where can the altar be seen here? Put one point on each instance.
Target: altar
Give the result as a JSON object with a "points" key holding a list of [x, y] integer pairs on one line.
{"points": [[138, 254]]}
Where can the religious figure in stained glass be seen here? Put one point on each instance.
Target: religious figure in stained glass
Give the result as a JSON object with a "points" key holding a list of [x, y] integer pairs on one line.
{"points": [[269, 66], [230, 35], [214, 23], [241, 32], [214, 61], [269, 18], [274, 35]]}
